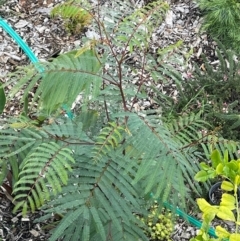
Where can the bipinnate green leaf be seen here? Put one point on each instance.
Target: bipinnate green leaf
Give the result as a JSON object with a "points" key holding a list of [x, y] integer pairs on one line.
{"points": [[216, 158], [45, 170], [69, 219], [88, 118], [63, 80], [98, 223], [227, 186], [71, 76], [141, 24], [109, 138], [86, 226]]}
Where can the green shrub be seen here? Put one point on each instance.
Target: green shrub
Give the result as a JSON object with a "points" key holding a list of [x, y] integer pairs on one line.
{"points": [[221, 20], [214, 90]]}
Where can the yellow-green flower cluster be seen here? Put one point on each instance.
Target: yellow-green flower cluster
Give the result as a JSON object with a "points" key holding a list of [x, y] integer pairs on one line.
{"points": [[160, 225]]}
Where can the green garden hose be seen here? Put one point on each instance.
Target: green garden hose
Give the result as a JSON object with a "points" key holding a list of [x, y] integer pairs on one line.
{"points": [[189, 218], [35, 60], [19, 41], [30, 55]]}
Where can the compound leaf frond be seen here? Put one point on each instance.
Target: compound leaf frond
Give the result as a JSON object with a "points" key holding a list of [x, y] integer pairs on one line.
{"points": [[42, 164]]}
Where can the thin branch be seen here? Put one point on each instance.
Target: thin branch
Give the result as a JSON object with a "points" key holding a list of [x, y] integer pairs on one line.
{"points": [[142, 80], [105, 103]]}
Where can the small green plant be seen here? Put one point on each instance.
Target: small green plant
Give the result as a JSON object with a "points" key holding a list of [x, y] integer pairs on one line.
{"points": [[228, 210], [75, 18], [214, 90], [221, 20]]}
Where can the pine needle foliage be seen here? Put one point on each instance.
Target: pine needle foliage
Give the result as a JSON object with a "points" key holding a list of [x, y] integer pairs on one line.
{"points": [[218, 89], [99, 169], [221, 20]]}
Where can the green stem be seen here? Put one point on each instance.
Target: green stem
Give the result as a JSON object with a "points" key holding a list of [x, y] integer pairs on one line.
{"points": [[237, 207]]}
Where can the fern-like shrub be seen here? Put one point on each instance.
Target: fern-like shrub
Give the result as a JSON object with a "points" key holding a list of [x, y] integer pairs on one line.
{"points": [[98, 168], [75, 18], [221, 20]]}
